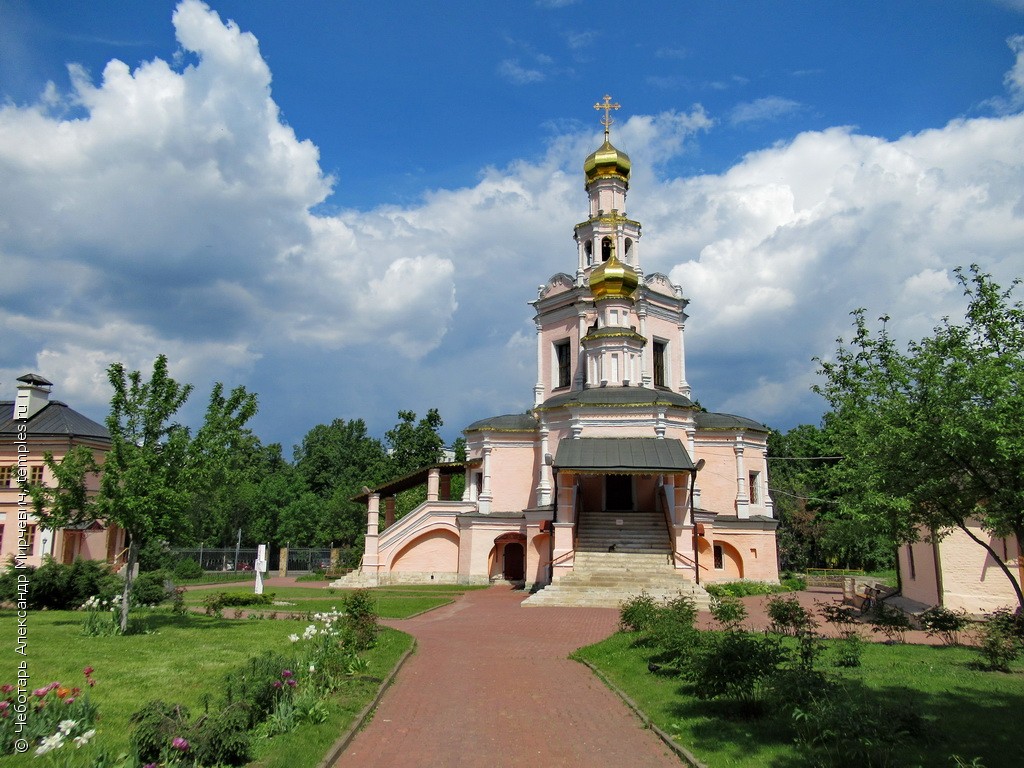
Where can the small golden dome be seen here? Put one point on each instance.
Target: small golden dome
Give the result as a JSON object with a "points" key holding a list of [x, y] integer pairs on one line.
{"points": [[607, 161], [613, 280]]}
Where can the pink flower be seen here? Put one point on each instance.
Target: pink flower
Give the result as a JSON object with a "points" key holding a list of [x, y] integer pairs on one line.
{"points": [[87, 671], [40, 692], [277, 683], [6, 688], [291, 683], [179, 744]]}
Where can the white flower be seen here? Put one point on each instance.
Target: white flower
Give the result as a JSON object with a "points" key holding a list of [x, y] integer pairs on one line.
{"points": [[293, 638], [81, 741], [50, 743], [65, 726], [312, 668]]}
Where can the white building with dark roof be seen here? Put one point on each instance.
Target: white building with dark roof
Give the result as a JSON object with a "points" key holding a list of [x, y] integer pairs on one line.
{"points": [[614, 470]]}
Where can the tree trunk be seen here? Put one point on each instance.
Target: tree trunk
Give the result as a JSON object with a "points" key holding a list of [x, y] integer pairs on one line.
{"points": [[129, 578], [999, 561]]}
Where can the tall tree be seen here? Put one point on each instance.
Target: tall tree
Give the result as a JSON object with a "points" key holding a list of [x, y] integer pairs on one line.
{"points": [[68, 501], [140, 488], [223, 455], [413, 444], [933, 438]]}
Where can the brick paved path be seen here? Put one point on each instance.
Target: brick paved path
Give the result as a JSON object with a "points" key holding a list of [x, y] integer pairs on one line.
{"points": [[490, 686]]}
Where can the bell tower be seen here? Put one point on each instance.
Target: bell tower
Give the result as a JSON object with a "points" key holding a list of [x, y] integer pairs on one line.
{"points": [[608, 230]]}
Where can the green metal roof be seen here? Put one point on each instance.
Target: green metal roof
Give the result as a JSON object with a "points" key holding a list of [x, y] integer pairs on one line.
{"points": [[617, 397], [622, 455]]}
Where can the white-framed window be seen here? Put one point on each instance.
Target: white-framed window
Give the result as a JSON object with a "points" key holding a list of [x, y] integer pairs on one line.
{"points": [[563, 364], [755, 488], [660, 353]]}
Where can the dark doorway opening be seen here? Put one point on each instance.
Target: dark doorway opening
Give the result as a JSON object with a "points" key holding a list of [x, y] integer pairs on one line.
{"points": [[512, 568], [618, 492]]}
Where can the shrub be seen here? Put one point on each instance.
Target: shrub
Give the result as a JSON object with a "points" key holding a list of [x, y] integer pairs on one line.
{"points": [[637, 614], [840, 730], [1002, 637], [728, 611], [187, 568], [50, 586], [794, 583], [945, 624], [743, 588], [733, 664], [155, 725], [257, 684], [890, 621], [360, 620], [221, 738], [150, 588], [788, 616], [672, 630], [847, 650], [216, 602], [842, 617]]}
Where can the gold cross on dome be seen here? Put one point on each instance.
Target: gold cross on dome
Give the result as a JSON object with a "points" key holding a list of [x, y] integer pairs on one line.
{"points": [[607, 121]]}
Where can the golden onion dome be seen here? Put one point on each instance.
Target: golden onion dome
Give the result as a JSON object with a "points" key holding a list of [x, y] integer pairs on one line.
{"points": [[607, 161], [613, 280]]}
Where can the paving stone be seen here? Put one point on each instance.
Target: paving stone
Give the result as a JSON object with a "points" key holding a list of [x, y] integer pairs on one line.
{"points": [[491, 685]]}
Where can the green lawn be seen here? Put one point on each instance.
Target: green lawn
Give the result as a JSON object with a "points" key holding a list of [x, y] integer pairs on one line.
{"points": [[399, 602], [968, 712], [183, 661]]}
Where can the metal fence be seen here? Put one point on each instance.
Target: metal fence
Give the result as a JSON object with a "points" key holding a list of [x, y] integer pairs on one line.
{"points": [[308, 559], [219, 558]]}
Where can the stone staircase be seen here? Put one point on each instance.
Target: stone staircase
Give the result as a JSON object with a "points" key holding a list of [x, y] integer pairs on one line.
{"points": [[633, 532], [618, 556]]}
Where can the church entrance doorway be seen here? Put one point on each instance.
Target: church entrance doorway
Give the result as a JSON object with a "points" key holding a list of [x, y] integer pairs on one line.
{"points": [[512, 568], [618, 492]]}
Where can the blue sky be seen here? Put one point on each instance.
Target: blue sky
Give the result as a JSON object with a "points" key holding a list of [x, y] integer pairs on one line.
{"points": [[244, 195]]}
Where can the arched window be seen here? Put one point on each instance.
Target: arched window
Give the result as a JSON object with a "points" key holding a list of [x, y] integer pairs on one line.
{"points": [[588, 249], [606, 249], [628, 247]]}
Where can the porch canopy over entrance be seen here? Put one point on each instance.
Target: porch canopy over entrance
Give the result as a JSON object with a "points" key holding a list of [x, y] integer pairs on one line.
{"points": [[622, 456]]}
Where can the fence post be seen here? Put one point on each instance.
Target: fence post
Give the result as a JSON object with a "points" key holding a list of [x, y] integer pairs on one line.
{"points": [[282, 566]]}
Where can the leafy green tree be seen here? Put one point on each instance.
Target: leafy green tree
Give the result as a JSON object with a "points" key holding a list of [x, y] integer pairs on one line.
{"points": [[933, 438], [340, 455], [141, 488], [413, 444], [222, 456], [68, 501]]}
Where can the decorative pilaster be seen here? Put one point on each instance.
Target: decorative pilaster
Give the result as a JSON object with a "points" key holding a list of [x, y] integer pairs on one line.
{"points": [[484, 504], [544, 486], [742, 500], [538, 388], [684, 385]]}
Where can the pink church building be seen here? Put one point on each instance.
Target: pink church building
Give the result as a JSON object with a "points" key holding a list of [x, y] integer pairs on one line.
{"points": [[615, 480]]}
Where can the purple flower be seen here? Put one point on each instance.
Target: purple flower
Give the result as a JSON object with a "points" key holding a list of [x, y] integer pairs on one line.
{"points": [[292, 683], [277, 683], [286, 673], [179, 744]]}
